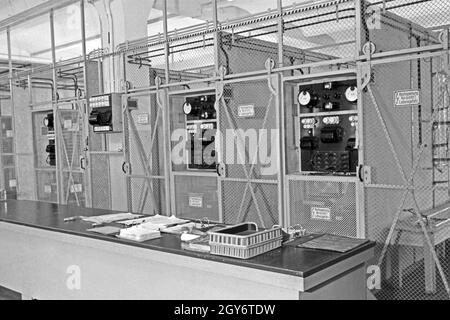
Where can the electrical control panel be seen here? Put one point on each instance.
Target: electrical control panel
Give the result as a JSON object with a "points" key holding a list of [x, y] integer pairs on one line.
{"points": [[106, 113], [201, 126], [327, 124], [50, 149]]}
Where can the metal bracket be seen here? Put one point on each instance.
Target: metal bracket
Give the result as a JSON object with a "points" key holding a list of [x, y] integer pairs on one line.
{"points": [[220, 169], [366, 75], [270, 64], [368, 50], [444, 39], [126, 168], [158, 82], [222, 71], [365, 174]]}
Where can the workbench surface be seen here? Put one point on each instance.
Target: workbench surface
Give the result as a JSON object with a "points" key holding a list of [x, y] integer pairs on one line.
{"points": [[288, 260]]}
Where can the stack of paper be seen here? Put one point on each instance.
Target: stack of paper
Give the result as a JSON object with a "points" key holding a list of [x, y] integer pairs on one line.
{"points": [[105, 230], [201, 244], [155, 222], [108, 218], [137, 233], [180, 228]]}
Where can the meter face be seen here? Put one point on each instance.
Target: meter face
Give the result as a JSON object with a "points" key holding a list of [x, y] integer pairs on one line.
{"points": [[304, 98], [351, 94], [187, 108]]}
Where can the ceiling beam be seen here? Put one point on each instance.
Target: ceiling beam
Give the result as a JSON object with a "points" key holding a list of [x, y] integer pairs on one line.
{"points": [[34, 12]]}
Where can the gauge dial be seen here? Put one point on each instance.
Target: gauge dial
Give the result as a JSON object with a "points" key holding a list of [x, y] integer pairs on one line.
{"points": [[351, 94], [187, 108], [304, 98]]}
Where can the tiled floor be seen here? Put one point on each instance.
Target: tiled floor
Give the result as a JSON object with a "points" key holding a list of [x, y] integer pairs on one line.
{"points": [[6, 294]]}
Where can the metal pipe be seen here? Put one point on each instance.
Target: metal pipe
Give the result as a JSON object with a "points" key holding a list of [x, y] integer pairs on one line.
{"points": [[111, 42], [55, 109], [88, 185]]}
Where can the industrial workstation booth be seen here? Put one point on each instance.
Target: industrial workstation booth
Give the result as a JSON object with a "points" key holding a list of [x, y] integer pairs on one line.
{"points": [[225, 149]]}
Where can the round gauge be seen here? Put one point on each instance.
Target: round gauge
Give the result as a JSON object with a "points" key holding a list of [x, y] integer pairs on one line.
{"points": [[187, 108], [304, 98], [351, 94], [48, 122]]}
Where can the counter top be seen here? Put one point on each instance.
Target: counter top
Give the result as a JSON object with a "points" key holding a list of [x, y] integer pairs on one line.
{"points": [[294, 261]]}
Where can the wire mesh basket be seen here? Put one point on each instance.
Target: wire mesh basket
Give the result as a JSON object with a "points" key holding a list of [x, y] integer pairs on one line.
{"points": [[244, 241]]}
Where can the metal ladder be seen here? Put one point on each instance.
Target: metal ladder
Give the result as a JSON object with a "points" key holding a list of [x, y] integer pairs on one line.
{"points": [[441, 140]]}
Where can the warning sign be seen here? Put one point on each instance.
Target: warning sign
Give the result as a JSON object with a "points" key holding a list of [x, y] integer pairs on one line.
{"points": [[320, 213], [247, 111], [196, 200], [406, 98]]}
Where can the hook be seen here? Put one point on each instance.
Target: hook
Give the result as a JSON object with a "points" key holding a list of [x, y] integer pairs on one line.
{"points": [[270, 64]]}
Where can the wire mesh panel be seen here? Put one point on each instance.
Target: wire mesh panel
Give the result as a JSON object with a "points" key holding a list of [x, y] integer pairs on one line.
{"points": [[248, 117], [26, 186], [71, 144], [196, 197], [401, 24], [46, 186], [258, 205], [191, 57], [73, 188], [193, 128], [245, 48], [100, 181], [432, 14], [322, 206], [142, 65], [8, 179], [328, 29], [407, 197], [145, 138]]}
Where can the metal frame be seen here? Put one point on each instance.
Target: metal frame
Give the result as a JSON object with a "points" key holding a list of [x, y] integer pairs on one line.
{"points": [[185, 173], [360, 63], [251, 183]]}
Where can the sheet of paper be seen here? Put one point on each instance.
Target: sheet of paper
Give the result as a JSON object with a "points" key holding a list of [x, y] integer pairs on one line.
{"points": [[137, 233], [162, 221], [333, 243], [108, 218], [105, 230], [180, 228]]}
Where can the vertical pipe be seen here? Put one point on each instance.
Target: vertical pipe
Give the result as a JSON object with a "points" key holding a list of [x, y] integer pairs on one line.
{"points": [[126, 149], [30, 91], [55, 110], [216, 35], [85, 111], [169, 183], [358, 27], [166, 42], [280, 33], [282, 187], [281, 115], [359, 186], [13, 118], [219, 144]]}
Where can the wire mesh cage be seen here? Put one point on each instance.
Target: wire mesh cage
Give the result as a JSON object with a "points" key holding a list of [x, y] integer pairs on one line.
{"points": [[395, 25], [407, 199], [196, 197], [328, 29], [246, 47], [324, 206], [145, 148], [191, 57]]}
